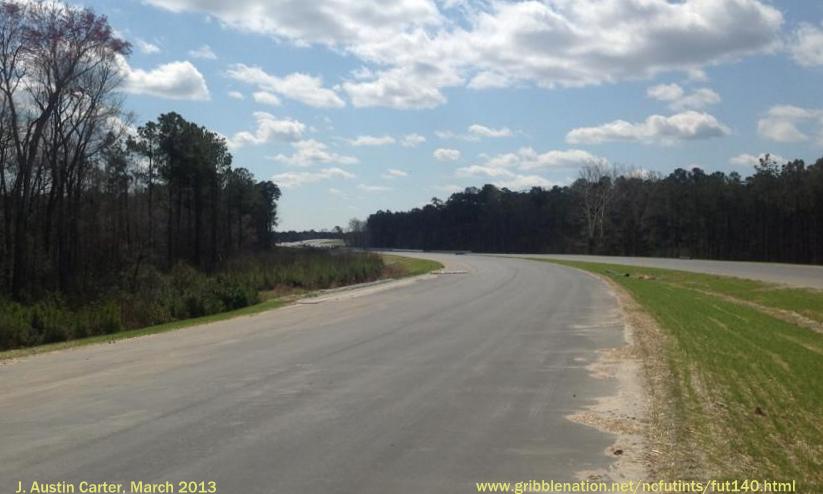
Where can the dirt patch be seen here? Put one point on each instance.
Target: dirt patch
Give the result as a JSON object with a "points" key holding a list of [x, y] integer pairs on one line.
{"points": [[642, 415]]}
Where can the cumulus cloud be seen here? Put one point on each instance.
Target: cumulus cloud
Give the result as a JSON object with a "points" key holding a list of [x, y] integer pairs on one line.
{"points": [[415, 86], [806, 45], [515, 170], [412, 140], [175, 80], [418, 50], [266, 98], [367, 140], [527, 158], [474, 133], [690, 125], [269, 128], [750, 160], [679, 100], [374, 188], [294, 179], [392, 173], [146, 47], [311, 152], [787, 123], [502, 177], [300, 87], [205, 52], [236, 95], [665, 92], [483, 131], [446, 154]]}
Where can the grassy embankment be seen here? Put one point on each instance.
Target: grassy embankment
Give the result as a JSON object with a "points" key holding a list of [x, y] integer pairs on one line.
{"points": [[738, 375], [399, 266], [185, 297]]}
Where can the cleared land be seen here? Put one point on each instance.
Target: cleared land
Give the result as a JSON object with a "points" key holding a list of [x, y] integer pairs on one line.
{"points": [[742, 362]]}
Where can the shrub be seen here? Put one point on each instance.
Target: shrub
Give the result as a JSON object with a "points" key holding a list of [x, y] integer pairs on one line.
{"points": [[154, 297]]}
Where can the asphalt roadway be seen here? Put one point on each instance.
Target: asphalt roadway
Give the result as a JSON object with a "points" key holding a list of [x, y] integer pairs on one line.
{"points": [[797, 275], [427, 385]]}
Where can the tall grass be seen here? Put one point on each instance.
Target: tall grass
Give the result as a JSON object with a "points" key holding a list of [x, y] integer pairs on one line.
{"points": [[156, 297]]}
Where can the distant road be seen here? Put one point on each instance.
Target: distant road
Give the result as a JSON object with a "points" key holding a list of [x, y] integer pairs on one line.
{"points": [[424, 386], [787, 274]]}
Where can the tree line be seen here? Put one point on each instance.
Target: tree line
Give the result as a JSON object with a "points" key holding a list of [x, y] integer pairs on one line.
{"points": [[776, 214], [86, 200]]}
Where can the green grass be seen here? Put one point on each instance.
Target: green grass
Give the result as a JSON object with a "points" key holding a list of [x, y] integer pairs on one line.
{"points": [[395, 267], [746, 388], [399, 266]]}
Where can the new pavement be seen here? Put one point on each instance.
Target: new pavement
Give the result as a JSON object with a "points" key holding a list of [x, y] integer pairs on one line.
{"points": [[424, 386], [797, 275]]}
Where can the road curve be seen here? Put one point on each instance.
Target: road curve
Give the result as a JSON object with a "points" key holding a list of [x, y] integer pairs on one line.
{"points": [[798, 275], [426, 386]]}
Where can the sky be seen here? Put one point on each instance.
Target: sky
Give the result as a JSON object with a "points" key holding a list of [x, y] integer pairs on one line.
{"points": [[352, 106]]}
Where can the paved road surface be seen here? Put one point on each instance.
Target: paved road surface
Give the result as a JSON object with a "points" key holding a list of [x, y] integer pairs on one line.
{"points": [[787, 274], [426, 387]]}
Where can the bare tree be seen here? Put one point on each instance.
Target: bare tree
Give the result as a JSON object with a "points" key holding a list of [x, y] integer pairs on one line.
{"points": [[596, 184], [58, 66]]}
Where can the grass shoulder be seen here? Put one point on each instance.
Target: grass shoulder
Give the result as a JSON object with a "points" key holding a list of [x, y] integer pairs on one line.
{"points": [[742, 386], [401, 266]]}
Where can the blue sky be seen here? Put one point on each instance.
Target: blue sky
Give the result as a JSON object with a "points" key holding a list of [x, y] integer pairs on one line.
{"points": [[360, 105]]}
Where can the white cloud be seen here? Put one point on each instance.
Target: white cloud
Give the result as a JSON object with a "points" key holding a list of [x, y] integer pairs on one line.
{"points": [[446, 154], [205, 52], [688, 125], [665, 92], [483, 131], [294, 179], [393, 173], [806, 46], [146, 47], [787, 123], [266, 98], [373, 188], [412, 140], [412, 87], [527, 158], [269, 128], [236, 95], [310, 152], [330, 22], [696, 100], [678, 99], [750, 160], [367, 140], [175, 80], [489, 80], [502, 177], [420, 51], [482, 171], [474, 133], [300, 87]]}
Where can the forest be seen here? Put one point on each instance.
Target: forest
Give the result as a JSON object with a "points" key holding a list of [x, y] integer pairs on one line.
{"points": [[776, 214], [105, 226]]}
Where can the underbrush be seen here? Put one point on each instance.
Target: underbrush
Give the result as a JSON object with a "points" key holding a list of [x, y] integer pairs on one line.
{"points": [[157, 297]]}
